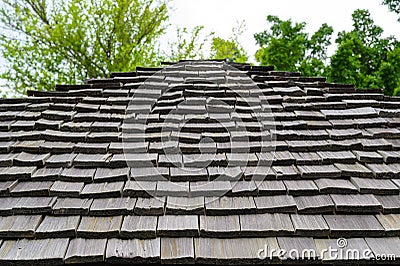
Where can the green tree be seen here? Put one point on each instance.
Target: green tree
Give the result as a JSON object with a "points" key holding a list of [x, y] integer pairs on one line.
{"points": [[47, 42], [230, 48], [394, 5], [361, 54], [189, 44], [389, 73], [287, 46]]}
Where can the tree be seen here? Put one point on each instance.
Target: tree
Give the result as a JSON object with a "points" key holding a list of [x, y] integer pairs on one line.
{"points": [[389, 73], [361, 54], [314, 63], [229, 48], [188, 44], [288, 47], [47, 42], [394, 5]]}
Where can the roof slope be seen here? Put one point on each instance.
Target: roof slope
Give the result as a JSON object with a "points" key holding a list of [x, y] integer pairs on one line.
{"points": [[203, 162]]}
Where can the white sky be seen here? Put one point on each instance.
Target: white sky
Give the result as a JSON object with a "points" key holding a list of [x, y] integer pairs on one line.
{"points": [[221, 15]]}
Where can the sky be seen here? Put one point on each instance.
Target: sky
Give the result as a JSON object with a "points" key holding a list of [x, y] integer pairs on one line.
{"points": [[220, 16]]}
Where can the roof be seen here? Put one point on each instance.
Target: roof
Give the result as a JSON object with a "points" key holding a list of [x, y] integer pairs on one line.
{"points": [[201, 161]]}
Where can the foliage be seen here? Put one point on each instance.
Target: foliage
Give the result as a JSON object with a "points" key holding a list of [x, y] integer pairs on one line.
{"points": [[394, 5], [288, 47], [229, 48], [188, 44], [48, 42], [362, 55], [389, 73]]}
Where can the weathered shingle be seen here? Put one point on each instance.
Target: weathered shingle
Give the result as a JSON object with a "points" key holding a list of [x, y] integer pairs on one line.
{"points": [[45, 251], [354, 225], [82, 250], [199, 162], [58, 226]]}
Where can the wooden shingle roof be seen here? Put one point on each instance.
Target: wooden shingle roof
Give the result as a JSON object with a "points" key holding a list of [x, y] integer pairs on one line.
{"points": [[199, 162]]}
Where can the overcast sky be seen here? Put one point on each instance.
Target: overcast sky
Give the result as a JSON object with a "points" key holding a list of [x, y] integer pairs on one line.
{"points": [[221, 15]]}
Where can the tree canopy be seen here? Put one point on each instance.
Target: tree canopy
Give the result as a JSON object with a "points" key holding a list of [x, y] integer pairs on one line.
{"points": [[230, 48], [287, 46], [394, 5], [48, 42], [362, 56]]}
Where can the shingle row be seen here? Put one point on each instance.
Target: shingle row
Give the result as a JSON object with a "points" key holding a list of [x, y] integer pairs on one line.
{"points": [[243, 225], [177, 202], [200, 250]]}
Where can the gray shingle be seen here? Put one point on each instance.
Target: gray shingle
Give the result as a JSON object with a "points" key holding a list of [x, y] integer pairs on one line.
{"points": [[140, 188], [384, 245], [66, 189], [91, 160], [318, 171], [185, 205], [368, 157], [19, 226], [33, 205], [244, 188], [47, 174], [271, 187], [384, 170], [281, 203], [48, 251], [178, 225], [375, 186], [309, 225], [72, 206], [82, 250], [177, 250], [60, 160], [329, 157], [231, 205], [103, 190], [16, 172], [58, 226], [111, 175], [268, 224], [214, 250], [355, 170], [314, 204], [99, 227], [301, 187], [354, 225], [335, 186], [390, 203], [356, 203], [303, 246], [133, 251], [210, 189], [219, 226], [77, 174], [36, 188], [139, 227], [112, 206], [166, 188], [150, 206], [307, 158]]}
